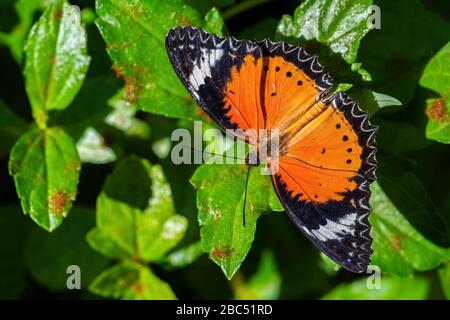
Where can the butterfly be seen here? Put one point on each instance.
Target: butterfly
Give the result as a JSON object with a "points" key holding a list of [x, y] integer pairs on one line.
{"points": [[326, 158]]}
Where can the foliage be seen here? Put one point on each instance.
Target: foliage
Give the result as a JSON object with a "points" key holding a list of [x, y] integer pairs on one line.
{"points": [[436, 77], [224, 236], [265, 284], [137, 228], [88, 102], [391, 288]]}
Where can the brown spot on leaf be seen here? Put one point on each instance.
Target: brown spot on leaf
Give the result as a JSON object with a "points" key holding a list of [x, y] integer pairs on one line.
{"points": [[137, 11], [396, 241], [73, 165], [128, 281], [112, 47], [58, 14], [58, 201], [138, 289], [132, 84], [222, 253], [437, 111], [216, 215], [185, 21], [251, 206], [107, 140], [188, 99]]}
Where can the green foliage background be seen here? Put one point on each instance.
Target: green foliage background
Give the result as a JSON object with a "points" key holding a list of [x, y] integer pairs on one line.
{"points": [[88, 101]]}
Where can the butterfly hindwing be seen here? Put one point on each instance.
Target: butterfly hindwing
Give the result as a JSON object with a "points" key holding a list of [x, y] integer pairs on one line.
{"points": [[323, 181]]}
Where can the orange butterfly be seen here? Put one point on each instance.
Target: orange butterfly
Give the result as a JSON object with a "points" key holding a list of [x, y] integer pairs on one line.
{"points": [[326, 156]]}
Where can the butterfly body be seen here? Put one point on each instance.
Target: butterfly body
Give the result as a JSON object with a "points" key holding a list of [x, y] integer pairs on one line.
{"points": [[320, 148]]}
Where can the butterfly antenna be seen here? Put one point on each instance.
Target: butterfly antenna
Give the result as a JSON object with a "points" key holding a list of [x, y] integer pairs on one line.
{"points": [[213, 153], [245, 193]]}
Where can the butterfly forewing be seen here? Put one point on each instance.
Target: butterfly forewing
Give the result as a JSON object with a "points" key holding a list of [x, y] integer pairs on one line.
{"points": [[208, 64]]}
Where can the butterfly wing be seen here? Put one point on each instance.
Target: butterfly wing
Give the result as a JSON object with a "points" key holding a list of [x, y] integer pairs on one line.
{"points": [[323, 174], [208, 65], [323, 180], [292, 81], [238, 83]]}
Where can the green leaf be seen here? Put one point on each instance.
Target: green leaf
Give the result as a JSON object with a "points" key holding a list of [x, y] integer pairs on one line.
{"points": [[131, 281], [92, 149], [116, 219], [157, 235], [11, 128], [56, 60], [220, 204], [214, 22], [162, 147], [13, 232], [391, 288], [182, 257], [102, 242], [444, 276], [409, 196], [45, 167], [393, 57], [119, 203], [144, 223], [436, 77], [329, 266], [338, 24], [88, 16], [47, 255], [372, 101], [123, 117], [398, 247], [265, 284], [439, 130], [343, 87], [134, 33]]}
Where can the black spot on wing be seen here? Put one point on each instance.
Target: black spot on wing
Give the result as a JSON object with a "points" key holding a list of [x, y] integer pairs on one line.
{"points": [[359, 120], [300, 58]]}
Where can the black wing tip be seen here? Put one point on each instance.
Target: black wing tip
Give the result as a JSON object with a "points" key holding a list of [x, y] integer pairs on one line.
{"points": [[180, 32]]}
